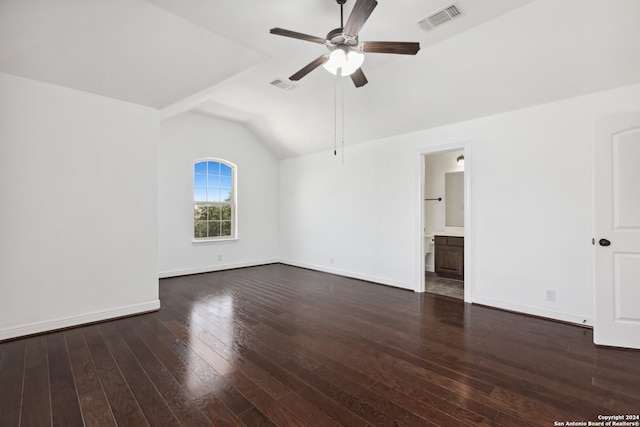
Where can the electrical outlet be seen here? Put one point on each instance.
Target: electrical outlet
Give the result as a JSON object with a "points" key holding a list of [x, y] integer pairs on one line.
{"points": [[219, 257], [331, 260], [550, 294]]}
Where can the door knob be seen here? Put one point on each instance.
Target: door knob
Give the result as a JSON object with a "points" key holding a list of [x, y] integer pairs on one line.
{"points": [[604, 242]]}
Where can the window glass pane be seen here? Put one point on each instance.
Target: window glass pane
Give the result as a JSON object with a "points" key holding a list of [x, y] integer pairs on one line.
{"points": [[200, 194], [213, 195], [225, 195], [200, 229], [214, 213], [226, 213], [213, 168], [214, 228], [200, 213], [213, 181], [225, 230], [225, 182], [199, 180], [200, 167]]}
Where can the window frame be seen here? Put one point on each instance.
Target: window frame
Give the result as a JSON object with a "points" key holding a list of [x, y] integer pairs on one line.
{"points": [[232, 203]]}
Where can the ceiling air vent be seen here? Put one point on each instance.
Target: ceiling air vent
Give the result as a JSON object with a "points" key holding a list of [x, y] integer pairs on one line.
{"points": [[283, 84], [439, 18]]}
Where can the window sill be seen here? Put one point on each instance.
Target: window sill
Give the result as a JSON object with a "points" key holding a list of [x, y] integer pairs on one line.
{"points": [[209, 241]]}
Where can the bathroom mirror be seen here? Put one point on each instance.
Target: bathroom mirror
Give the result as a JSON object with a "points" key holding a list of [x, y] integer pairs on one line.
{"points": [[454, 199]]}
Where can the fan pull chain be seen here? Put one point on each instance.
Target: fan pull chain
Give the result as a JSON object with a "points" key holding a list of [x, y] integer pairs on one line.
{"points": [[338, 91], [335, 115], [342, 118]]}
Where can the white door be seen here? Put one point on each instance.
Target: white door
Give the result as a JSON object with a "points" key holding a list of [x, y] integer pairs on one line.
{"points": [[617, 231]]}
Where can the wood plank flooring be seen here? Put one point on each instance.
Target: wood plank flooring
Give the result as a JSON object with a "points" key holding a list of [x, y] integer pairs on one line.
{"points": [[278, 345]]}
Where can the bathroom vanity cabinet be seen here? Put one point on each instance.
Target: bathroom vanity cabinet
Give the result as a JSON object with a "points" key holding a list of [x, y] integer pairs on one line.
{"points": [[449, 257]]}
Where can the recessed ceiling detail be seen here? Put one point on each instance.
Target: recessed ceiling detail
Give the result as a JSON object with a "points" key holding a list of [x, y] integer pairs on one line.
{"points": [[129, 49], [188, 55]]}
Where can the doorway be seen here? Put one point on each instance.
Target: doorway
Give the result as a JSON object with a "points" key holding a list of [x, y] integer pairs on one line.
{"points": [[445, 221]]}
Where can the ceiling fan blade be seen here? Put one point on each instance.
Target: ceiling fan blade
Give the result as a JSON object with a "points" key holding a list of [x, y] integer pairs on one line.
{"points": [[309, 67], [359, 16], [358, 78], [402, 48], [295, 35]]}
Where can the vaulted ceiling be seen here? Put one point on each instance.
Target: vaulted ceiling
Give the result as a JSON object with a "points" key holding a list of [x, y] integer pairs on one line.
{"points": [[217, 57]]}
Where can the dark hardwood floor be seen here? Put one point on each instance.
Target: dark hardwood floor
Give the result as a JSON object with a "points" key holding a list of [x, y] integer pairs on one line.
{"points": [[278, 345]]}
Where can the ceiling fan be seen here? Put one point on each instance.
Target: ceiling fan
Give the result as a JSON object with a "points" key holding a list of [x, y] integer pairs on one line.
{"points": [[346, 52]]}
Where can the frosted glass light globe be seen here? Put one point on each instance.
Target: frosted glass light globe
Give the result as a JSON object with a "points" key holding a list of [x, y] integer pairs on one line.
{"points": [[348, 63]]}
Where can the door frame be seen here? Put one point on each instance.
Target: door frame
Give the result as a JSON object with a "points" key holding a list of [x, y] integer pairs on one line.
{"points": [[469, 235]]}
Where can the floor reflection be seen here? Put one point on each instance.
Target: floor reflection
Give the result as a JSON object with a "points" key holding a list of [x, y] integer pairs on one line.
{"points": [[211, 329]]}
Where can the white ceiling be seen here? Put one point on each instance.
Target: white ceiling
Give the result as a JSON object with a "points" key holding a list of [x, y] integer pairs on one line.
{"points": [[217, 57]]}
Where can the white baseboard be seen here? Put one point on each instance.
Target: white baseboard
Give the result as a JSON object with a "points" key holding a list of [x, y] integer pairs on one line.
{"points": [[534, 311], [212, 268], [351, 274], [67, 322]]}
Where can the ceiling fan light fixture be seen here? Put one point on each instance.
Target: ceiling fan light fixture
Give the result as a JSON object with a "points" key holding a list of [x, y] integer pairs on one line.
{"points": [[347, 62], [346, 52]]}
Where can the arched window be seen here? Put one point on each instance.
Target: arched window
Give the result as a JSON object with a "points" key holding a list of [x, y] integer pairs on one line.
{"points": [[214, 183]]}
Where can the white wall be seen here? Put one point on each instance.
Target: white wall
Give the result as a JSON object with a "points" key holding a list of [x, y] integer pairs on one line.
{"points": [[78, 207], [354, 219], [435, 166], [186, 138], [531, 206]]}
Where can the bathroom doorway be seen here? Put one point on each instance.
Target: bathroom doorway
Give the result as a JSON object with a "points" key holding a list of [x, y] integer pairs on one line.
{"points": [[445, 219]]}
